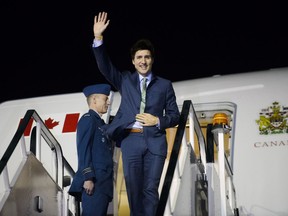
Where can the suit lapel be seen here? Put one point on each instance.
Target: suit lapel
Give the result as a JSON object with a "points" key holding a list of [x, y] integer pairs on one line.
{"points": [[136, 82]]}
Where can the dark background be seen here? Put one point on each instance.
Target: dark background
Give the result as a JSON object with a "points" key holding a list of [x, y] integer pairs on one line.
{"points": [[46, 45]]}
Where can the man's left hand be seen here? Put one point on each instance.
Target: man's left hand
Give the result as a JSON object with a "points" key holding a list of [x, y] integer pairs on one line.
{"points": [[147, 119]]}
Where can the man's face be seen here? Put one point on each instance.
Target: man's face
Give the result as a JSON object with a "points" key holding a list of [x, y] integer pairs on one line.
{"points": [[143, 62], [101, 103]]}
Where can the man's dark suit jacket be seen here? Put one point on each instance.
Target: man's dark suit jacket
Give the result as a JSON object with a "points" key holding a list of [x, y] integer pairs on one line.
{"points": [[160, 102]]}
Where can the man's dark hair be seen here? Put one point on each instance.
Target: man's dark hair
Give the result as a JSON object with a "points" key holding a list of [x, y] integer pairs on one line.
{"points": [[142, 44]]}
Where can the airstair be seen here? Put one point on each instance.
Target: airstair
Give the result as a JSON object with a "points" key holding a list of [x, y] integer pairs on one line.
{"points": [[196, 181], [31, 184]]}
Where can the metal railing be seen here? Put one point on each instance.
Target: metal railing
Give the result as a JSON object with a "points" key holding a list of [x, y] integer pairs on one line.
{"points": [[200, 174], [41, 135]]}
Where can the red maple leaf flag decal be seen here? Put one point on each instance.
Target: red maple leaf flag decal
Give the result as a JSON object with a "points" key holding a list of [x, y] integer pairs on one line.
{"points": [[67, 125], [50, 123]]}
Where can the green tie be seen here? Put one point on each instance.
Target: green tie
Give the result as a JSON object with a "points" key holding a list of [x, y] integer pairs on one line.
{"points": [[143, 95]]}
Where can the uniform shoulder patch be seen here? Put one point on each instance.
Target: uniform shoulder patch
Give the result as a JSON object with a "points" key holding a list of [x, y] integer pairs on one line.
{"points": [[86, 115]]}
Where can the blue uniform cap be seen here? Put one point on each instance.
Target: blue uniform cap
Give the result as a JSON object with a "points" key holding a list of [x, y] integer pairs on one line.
{"points": [[97, 89]]}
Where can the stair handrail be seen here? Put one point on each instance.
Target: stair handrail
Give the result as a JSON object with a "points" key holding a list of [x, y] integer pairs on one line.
{"points": [[187, 112]]}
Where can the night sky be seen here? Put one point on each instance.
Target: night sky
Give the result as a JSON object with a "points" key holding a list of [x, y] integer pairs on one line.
{"points": [[46, 45]]}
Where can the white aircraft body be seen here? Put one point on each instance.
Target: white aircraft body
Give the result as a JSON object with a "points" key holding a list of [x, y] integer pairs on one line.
{"points": [[256, 144]]}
